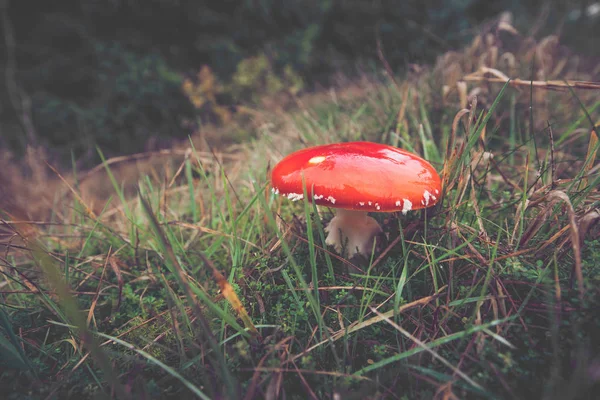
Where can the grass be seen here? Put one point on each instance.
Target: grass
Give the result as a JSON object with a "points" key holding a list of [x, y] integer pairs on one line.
{"points": [[205, 284]]}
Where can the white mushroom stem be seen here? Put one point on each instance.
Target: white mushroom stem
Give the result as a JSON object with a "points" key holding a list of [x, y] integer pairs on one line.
{"points": [[353, 229]]}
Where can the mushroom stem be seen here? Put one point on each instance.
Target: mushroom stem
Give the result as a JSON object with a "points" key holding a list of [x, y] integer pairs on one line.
{"points": [[354, 230]]}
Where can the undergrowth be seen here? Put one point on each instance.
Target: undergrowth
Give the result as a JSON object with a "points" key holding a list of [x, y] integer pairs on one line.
{"points": [[205, 284]]}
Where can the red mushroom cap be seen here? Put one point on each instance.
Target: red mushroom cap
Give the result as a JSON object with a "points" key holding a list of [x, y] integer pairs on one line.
{"points": [[358, 176]]}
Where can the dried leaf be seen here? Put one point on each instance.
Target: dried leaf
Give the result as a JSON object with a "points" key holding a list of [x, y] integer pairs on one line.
{"points": [[230, 295]]}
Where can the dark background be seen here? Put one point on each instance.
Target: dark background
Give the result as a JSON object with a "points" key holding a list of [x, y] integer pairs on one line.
{"points": [[80, 74]]}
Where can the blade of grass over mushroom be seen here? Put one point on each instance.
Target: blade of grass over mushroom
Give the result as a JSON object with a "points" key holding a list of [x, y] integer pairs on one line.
{"points": [[215, 356], [321, 232], [311, 245]]}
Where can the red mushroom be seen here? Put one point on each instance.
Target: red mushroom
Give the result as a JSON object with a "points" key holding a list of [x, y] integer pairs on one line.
{"points": [[356, 178]]}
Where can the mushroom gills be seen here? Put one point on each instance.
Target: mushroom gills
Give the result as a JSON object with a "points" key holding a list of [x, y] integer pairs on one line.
{"points": [[353, 229]]}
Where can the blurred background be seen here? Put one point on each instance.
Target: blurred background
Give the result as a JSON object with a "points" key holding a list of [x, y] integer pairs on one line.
{"points": [[133, 75]]}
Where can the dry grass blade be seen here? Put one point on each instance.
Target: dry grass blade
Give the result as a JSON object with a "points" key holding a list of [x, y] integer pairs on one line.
{"points": [[499, 77], [554, 238], [586, 222], [535, 225], [180, 169], [98, 289], [306, 371], [452, 153], [427, 349], [88, 209]]}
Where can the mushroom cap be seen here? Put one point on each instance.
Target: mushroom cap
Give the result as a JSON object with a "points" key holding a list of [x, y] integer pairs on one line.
{"points": [[362, 176]]}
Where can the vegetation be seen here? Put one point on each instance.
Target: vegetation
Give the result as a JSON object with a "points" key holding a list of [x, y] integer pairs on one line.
{"points": [[205, 284], [81, 74]]}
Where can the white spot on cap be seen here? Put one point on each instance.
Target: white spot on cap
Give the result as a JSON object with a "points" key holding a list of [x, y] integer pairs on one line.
{"points": [[295, 196], [426, 196], [437, 191], [377, 206], [316, 160], [317, 197], [398, 203], [362, 203], [330, 199], [275, 190], [407, 206], [370, 203]]}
